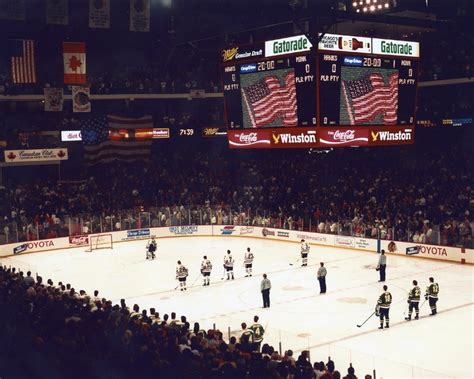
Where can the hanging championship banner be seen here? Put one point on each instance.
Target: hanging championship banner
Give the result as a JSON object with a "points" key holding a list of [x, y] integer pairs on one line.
{"points": [[53, 99], [57, 12], [99, 14], [12, 10], [81, 99], [140, 15]]}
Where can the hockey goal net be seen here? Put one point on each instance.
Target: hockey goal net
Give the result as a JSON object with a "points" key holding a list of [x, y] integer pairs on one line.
{"points": [[101, 241]]}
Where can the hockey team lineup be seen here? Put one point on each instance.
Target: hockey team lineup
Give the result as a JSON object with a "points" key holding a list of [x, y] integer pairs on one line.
{"points": [[331, 322]]}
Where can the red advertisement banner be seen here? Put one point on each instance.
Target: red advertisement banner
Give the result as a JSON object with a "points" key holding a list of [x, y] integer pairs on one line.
{"points": [[343, 137], [249, 139], [391, 136]]}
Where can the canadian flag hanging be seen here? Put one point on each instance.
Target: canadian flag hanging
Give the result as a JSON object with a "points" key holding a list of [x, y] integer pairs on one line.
{"points": [[74, 54]]}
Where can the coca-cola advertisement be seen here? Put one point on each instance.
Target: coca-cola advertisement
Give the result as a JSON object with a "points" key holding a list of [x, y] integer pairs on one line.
{"points": [[79, 240], [249, 139], [344, 137]]}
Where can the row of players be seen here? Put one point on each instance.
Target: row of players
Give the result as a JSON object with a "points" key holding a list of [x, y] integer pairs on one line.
{"points": [[382, 308], [206, 266], [383, 304]]}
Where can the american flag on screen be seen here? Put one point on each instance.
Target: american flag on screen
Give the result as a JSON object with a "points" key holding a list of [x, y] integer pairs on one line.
{"points": [[22, 61], [115, 138], [269, 100], [369, 97]]}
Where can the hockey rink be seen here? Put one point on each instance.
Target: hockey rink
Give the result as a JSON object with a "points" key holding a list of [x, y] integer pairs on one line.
{"points": [[299, 317]]}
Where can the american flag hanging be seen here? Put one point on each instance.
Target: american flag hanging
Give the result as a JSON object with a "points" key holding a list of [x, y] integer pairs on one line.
{"points": [[268, 100], [115, 138], [22, 61], [369, 97]]}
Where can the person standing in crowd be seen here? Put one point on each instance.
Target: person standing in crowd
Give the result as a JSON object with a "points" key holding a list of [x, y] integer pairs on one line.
{"points": [[432, 295], [382, 308], [382, 266], [413, 301], [265, 287], [258, 332], [322, 272]]}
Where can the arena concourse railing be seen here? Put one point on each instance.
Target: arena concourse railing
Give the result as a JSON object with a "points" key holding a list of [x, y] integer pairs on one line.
{"points": [[64, 226]]}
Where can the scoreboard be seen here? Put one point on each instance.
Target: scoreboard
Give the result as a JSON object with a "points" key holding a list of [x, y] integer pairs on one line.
{"points": [[352, 91], [275, 92]]}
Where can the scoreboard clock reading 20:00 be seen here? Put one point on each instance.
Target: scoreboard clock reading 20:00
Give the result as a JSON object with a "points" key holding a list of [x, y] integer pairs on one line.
{"points": [[271, 84], [354, 91]]}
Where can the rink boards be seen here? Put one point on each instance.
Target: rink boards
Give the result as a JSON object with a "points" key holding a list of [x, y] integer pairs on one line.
{"points": [[445, 253]]}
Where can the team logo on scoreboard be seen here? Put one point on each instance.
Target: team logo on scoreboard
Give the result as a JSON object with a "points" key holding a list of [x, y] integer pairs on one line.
{"points": [[229, 54]]}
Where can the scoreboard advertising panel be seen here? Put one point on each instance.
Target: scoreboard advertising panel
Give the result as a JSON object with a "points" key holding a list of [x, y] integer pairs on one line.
{"points": [[352, 91]]}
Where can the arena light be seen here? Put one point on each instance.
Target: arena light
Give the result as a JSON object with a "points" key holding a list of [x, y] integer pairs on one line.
{"points": [[370, 5]]}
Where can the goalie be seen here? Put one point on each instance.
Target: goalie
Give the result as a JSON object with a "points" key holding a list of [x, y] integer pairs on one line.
{"points": [[151, 248]]}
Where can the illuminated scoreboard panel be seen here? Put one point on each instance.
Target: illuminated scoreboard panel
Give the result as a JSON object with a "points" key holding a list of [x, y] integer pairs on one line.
{"points": [[354, 91], [278, 92], [366, 90]]}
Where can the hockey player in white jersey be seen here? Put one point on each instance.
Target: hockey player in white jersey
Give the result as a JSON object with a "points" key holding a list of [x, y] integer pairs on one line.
{"points": [[181, 275], [206, 267], [229, 265], [304, 253], [248, 261], [151, 248]]}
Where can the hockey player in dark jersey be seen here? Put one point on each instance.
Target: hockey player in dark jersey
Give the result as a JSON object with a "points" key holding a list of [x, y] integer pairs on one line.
{"points": [[413, 301], [258, 332], [382, 308], [432, 295], [151, 248]]}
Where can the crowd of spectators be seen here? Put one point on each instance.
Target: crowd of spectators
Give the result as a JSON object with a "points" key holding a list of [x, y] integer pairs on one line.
{"points": [[55, 331], [400, 194]]}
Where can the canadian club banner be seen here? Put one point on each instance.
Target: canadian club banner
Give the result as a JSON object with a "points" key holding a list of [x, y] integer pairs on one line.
{"points": [[140, 15], [12, 10], [74, 54], [53, 99], [35, 155], [99, 14], [57, 12], [81, 99]]}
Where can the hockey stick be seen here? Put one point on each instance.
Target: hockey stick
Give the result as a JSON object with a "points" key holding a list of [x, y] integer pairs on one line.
{"points": [[419, 309], [223, 275], [292, 264], [366, 320], [195, 280]]}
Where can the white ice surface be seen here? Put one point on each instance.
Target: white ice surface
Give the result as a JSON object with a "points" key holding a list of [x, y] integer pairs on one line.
{"points": [[299, 317]]}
